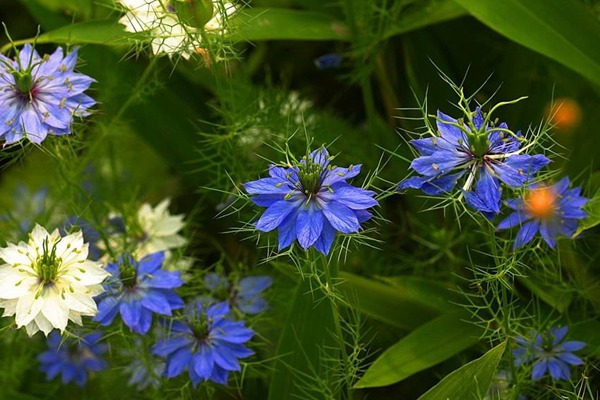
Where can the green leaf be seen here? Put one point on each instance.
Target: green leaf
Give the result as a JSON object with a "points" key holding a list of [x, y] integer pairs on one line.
{"points": [[426, 346], [593, 218], [471, 381], [284, 24], [307, 351], [560, 29], [425, 13], [404, 309], [439, 295], [98, 32]]}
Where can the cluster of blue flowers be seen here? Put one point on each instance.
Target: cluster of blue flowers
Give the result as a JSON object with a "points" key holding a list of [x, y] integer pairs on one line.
{"points": [[483, 156]]}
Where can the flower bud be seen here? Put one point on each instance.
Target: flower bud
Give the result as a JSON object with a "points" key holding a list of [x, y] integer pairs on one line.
{"points": [[195, 13]]}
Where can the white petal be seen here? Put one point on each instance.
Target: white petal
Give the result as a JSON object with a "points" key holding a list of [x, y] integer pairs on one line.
{"points": [[15, 285], [81, 303], [43, 324], [55, 308], [28, 307]]}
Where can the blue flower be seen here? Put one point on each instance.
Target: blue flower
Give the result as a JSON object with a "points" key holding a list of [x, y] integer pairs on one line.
{"points": [[329, 61], [73, 358], [40, 96], [311, 201], [549, 353], [486, 155], [206, 342], [145, 373], [136, 290], [552, 211], [245, 296]]}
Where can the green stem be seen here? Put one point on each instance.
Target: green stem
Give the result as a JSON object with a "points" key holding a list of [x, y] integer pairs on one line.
{"points": [[331, 273]]}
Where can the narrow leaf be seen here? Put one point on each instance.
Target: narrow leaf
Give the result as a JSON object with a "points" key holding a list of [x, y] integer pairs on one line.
{"points": [[426, 346], [471, 381], [285, 24], [404, 309], [546, 26], [307, 350]]}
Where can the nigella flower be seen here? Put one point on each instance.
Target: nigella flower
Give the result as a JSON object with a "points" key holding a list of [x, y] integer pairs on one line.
{"points": [[311, 201], [550, 352], [48, 281], [245, 295], [73, 358], [152, 230], [552, 211], [485, 155], [136, 290], [206, 342], [40, 96], [145, 373], [169, 34]]}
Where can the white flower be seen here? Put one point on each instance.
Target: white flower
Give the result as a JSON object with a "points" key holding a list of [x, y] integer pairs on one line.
{"points": [[160, 228], [151, 230], [169, 35], [48, 281]]}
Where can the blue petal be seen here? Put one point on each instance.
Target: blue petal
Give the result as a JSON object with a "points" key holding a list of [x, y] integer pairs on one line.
{"points": [[287, 231], [325, 241], [162, 279], [572, 345], [558, 369], [539, 369], [214, 281], [107, 311], [526, 233], [449, 131], [570, 358], [549, 233], [352, 197], [516, 170], [252, 306], [204, 361], [486, 197], [177, 362], [309, 225], [503, 142], [514, 219], [226, 360], [339, 174], [154, 301], [254, 285], [425, 146], [151, 263], [558, 334], [274, 215], [439, 163], [168, 346], [130, 313], [478, 119], [267, 186], [341, 217]]}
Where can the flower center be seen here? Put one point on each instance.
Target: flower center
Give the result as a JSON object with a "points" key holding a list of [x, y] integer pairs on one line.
{"points": [[128, 273], [199, 327], [48, 264], [24, 84], [541, 202], [310, 177]]}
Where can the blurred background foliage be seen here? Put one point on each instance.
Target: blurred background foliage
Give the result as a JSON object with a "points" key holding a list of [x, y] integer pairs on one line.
{"points": [[193, 132]]}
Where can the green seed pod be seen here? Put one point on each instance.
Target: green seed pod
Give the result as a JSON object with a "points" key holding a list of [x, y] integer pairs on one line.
{"points": [[194, 13]]}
